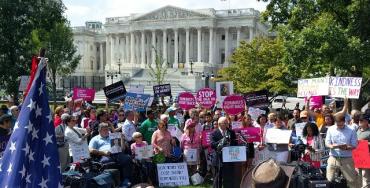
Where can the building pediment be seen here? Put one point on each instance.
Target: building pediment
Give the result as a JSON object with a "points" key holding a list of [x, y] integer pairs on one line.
{"points": [[171, 13]]}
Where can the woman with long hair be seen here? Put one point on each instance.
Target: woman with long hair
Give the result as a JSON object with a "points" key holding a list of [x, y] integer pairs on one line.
{"points": [[314, 143]]}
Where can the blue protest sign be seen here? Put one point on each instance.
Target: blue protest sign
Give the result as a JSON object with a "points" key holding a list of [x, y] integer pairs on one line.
{"points": [[137, 102]]}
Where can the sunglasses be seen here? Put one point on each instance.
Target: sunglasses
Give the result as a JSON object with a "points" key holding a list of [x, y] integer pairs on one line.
{"points": [[121, 115]]}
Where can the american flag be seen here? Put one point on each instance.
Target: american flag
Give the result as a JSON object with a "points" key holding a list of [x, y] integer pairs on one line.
{"points": [[31, 157]]}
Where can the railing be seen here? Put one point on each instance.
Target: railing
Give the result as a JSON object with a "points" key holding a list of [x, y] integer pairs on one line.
{"points": [[238, 12]]}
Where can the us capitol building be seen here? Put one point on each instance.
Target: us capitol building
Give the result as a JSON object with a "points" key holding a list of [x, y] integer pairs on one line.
{"points": [[194, 45]]}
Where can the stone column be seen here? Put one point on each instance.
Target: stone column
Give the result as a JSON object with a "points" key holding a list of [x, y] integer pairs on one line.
{"points": [[165, 45], [153, 48], [142, 49], [238, 29], [250, 34], [211, 46], [111, 52], [226, 46], [176, 57], [199, 44], [122, 48], [187, 36], [101, 57], [127, 47], [132, 48], [117, 52]]}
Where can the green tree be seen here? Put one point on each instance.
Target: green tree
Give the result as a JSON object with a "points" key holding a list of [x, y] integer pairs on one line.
{"points": [[259, 65], [61, 51], [17, 21], [159, 71], [324, 37]]}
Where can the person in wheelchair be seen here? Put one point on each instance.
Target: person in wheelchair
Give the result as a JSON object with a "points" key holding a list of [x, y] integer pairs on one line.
{"points": [[100, 149]]}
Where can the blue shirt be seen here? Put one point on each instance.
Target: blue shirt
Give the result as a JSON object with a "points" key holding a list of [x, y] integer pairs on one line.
{"points": [[342, 136], [100, 143]]}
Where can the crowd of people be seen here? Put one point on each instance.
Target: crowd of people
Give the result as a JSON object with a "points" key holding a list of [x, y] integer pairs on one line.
{"points": [[176, 136]]}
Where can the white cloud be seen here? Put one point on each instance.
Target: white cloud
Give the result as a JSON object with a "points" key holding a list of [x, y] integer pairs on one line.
{"points": [[79, 11]]}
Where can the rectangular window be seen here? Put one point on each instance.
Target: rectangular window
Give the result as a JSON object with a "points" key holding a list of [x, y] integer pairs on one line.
{"points": [[235, 36]]}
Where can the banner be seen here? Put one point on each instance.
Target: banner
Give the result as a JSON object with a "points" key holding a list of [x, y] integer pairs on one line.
{"points": [[23, 83], [361, 155], [162, 90], [313, 87], [315, 102], [206, 138], [233, 104], [223, 89], [115, 91], [173, 174], [255, 112], [278, 136], [87, 94], [136, 89], [253, 134], [186, 100], [234, 154], [144, 152], [191, 155], [257, 99], [342, 87], [137, 102], [206, 97]]}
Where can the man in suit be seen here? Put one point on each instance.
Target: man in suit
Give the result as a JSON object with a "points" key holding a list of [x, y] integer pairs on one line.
{"points": [[222, 137]]}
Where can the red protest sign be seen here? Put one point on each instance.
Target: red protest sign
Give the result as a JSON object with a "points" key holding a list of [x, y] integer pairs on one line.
{"points": [[233, 104], [206, 138], [361, 155], [206, 97], [186, 100]]}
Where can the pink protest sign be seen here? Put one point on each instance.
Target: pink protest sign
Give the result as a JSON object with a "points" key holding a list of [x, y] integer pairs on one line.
{"points": [[252, 134], [206, 138], [206, 97], [233, 104], [315, 102], [83, 93], [186, 100]]}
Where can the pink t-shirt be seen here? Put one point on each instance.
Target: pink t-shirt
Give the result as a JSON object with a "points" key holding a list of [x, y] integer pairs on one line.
{"points": [[162, 140], [135, 145], [190, 141]]}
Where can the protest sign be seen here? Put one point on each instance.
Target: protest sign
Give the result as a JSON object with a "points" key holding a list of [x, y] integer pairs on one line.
{"points": [[313, 87], [206, 138], [233, 104], [255, 112], [115, 142], [361, 155], [299, 129], [162, 90], [342, 87], [144, 152], [87, 94], [136, 89], [173, 174], [223, 89], [23, 83], [175, 132], [206, 97], [137, 102], [236, 125], [80, 152], [278, 136], [191, 155], [257, 99], [315, 102], [234, 154], [251, 133], [77, 104], [186, 100], [115, 91]]}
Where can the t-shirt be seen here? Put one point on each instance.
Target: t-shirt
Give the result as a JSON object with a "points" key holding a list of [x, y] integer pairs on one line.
{"points": [[100, 143], [363, 135], [320, 120], [4, 138], [172, 121], [147, 128]]}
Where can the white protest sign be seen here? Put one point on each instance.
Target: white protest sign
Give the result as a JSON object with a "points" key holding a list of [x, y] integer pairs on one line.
{"points": [[255, 112], [175, 132], [115, 140], [236, 125], [223, 89], [313, 87], [262, 155], [234, 154], [144, 152], [342, 87], [278, 136], [299, 129], [173, 174], [191, 155], [80, 152]]}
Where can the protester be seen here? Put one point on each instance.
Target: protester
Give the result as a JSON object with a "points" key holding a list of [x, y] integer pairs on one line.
{"points": [[281, 149], [5, 131], [75, 136], [63, 148], [194, 117], [262, 122], [57, 117], [172, 121], [100, 147], [148, 127], [138, 137], [314, 144], [295, 119], [129, 127], [120, 121], [222, 137], [328, 122], [363, 133], [246, 123], [161, 140], [190, 143], [86, 119], [341, 140], [271, 119], [355, 119]]}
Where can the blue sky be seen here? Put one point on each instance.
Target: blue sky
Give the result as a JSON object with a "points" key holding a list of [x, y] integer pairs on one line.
{"points": [[79, 11]]}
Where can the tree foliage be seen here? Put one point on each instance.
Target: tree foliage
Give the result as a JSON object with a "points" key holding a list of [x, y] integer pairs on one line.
{"points": [[159, 71]]}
